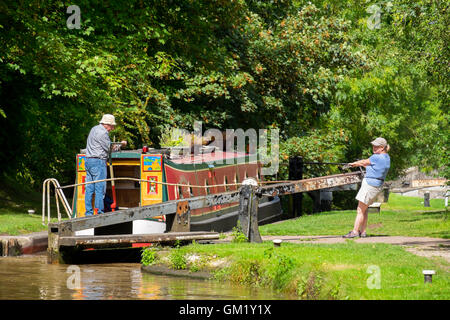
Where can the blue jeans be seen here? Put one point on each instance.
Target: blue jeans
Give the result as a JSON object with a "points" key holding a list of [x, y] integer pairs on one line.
{"points": [[95, 170]]}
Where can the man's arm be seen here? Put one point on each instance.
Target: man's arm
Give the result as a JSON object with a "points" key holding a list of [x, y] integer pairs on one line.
{"points": [[360, 163], [116, 147]]}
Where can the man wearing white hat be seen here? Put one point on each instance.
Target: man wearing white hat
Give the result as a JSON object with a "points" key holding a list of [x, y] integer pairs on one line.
{"points": [[97, 150]]}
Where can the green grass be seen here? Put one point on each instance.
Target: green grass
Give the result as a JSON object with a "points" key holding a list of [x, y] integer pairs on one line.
{"points": [[401, 216], [15, 201], [341, 271], [320, 271]]}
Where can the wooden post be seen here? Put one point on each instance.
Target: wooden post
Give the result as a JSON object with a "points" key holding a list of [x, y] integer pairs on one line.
{"points": [[296, 173], [386, 194], [326, 199], [54, 255], [254, 235], [182, 219], [315, 196], [244, 217], [248, 213]]}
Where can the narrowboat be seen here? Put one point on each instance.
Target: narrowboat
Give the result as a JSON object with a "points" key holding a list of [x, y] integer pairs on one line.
{"points": [[205, 168]]}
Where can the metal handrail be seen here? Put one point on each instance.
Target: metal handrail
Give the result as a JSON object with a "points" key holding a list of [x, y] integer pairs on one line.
{"points": [[59, 196]]}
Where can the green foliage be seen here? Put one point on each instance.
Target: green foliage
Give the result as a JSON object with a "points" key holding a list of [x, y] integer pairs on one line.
{"points": [[245, 271], [279, 268], [316, 146], [314, 70], [178, 259], [149, 256], [329, 271], [397, 102], [237, 235], [309, 287], [295, 66], [172, 137]]}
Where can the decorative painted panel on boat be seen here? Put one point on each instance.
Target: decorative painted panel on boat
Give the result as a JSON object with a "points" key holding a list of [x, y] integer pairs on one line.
{"points": [[151, 163]]}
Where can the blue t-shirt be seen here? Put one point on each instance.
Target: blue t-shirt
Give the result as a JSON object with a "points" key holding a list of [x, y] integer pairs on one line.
{"points": [[377, 170]]}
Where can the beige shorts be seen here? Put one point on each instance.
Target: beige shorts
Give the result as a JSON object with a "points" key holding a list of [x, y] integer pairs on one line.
{"points": [[367, 193]]}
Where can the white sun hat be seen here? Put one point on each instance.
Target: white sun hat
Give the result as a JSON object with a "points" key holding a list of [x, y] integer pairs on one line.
{"points": [[108, 119]]}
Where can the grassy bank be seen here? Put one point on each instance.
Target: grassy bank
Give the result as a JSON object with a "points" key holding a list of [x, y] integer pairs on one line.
{"points": [[15, 201], [330, 271], [401, 216], [313, 271]]}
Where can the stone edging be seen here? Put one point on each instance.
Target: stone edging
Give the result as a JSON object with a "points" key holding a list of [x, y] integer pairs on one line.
{"points": [[160, 269], [23, 244]]}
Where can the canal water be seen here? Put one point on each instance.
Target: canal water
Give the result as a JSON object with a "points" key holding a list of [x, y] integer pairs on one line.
{"points": [[30, 277]]}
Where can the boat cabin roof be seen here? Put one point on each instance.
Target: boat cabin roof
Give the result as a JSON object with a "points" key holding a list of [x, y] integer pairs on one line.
{"points": [[178, 157]]}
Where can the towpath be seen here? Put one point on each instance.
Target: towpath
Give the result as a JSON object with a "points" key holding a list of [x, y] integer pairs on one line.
{"points": [[421, 246]]}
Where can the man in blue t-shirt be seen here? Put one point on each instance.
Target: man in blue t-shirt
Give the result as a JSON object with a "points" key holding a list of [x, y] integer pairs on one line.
{"points": [[377, 167]]}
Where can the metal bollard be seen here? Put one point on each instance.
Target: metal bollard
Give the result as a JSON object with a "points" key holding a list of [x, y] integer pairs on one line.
{"points": [[277, 242], [426, 199], [447, 194], [428, 275]]}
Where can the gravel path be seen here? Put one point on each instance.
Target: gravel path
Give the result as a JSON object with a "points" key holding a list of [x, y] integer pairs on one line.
{"points": [[421, 246]]}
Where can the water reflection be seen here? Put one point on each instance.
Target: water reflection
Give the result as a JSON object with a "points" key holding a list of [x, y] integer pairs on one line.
{"points": [[30, 277]]}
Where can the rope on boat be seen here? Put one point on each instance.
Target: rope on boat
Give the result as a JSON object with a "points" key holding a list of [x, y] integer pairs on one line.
{"points": [[151, 181], [171, 184]]}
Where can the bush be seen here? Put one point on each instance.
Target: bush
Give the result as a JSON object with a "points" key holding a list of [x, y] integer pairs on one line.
{"points": [[237, 234], [148, 256], [279, 268], [177, 259]]}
